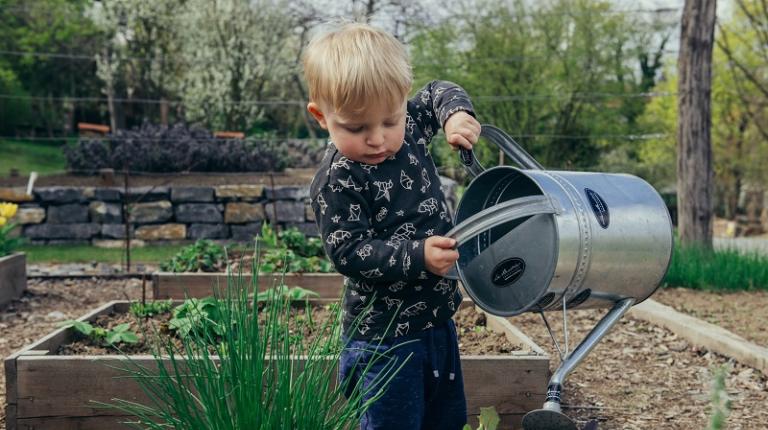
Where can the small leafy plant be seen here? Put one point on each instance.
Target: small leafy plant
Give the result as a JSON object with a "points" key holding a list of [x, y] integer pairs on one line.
{"points": [[7, 244], [119, 334], [489, 419], [202, 256], [202, 316], [720, 404], [279, 260], [150, 309], [268, 237], [300, 244]]}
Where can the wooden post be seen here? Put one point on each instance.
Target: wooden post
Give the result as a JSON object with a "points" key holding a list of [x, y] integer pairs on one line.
{"points": [[164, 111], [694, 146]]}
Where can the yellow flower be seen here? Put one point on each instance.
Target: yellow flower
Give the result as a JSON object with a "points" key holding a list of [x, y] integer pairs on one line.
{"points": [[8, 210], [3, 220]]}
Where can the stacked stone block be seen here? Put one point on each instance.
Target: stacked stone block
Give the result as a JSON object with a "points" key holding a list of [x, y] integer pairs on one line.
{"points": [[55, 215]]}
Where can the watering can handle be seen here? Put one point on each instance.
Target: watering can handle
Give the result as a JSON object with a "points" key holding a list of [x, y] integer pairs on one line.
{"points": [[505, 142], [501, 213]]}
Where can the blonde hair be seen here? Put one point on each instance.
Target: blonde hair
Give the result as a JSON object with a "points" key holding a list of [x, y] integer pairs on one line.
{"points": [[355, 64]]}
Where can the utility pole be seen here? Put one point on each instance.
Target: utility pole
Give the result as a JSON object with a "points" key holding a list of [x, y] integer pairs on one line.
{"points": [[694, 146]]}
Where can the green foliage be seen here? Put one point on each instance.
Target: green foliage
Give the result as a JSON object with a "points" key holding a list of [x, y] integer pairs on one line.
{"points": [[117, 335], [28, 156], [291, 251], [725, 270], [561, 75], [202, 256], [285, 260], [149, 309], [302, 245], [249, 378], [7, 243], [15, 111], [489, 419], [268, 237], [57, 26], [197, 315], [283, 292], [720, 404]]}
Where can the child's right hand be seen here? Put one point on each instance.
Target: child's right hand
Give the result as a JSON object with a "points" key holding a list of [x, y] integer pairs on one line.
{"points": [[439, 254]]}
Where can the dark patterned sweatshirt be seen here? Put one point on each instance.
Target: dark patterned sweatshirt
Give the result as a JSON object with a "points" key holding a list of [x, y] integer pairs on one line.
{"points": [[373, 220]]}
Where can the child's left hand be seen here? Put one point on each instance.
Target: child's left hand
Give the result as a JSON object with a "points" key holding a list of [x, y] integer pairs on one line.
{"points": [[461, 130]]}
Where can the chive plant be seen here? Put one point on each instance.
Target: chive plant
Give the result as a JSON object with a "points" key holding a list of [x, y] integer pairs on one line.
{"points": [[249, 374]]}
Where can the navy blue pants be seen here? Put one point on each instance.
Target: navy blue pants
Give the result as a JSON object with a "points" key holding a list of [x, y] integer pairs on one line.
{"points": [[426, 393]]}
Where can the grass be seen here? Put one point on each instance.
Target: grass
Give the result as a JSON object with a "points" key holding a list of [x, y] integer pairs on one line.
{"points": [[43, 158], [719, 270], [87, 253]]}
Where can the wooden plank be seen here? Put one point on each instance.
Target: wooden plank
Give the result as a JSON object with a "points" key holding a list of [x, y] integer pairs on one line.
{"points": [[13, 277], [167, 285], [9, 365], [703, 334], [511, 384], [508, 422], [65, 385], [52, 386], [74, 423]]}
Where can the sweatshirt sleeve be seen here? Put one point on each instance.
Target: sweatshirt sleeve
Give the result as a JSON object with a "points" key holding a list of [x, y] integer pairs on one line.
{"points": [[344, 220], [433, 105]]}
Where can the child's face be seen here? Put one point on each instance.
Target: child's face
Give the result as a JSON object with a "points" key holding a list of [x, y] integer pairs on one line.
{"points": [[368, 137]]}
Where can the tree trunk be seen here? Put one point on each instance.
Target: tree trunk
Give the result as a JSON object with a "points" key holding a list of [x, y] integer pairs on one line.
{"points": [[694, 147]]}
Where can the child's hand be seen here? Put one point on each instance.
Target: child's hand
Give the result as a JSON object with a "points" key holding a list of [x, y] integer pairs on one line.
{"points": [[439, 255], [461, 130]]}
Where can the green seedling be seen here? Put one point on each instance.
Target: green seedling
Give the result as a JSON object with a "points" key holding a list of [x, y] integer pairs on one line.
{"points": [[489, 419], [201, 315], [119, 334], [149, 309], [202, 256]]}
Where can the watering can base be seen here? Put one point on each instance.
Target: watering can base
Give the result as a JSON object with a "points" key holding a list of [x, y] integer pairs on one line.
{"points": [[545, 419]]}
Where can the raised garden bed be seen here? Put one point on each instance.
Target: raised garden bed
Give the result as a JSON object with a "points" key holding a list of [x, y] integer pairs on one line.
{"points": [[46, 391], [13, 277], [178, 286]]}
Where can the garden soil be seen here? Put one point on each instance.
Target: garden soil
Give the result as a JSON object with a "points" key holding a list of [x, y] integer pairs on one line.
{"points": [[474, 337], [639, 377]]}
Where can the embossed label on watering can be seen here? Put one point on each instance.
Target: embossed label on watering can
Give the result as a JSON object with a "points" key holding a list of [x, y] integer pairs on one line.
{"points": [[599, 208], [507, 272]]}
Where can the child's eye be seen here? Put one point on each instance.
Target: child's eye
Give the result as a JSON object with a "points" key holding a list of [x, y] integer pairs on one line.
{"points": [[390, 124], [354, 129]]}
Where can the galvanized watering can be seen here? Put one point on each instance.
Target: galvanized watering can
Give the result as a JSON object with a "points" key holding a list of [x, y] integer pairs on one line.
{"points": [[533, 240]]}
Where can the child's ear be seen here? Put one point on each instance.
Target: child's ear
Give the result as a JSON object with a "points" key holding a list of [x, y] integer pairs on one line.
{"points": [[314, 110]]}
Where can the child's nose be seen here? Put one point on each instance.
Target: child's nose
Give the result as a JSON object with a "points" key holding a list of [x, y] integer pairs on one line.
{"points": [[376, 138]]}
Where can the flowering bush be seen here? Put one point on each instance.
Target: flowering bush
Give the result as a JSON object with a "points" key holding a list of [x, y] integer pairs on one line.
{"points": [[7, 244]]}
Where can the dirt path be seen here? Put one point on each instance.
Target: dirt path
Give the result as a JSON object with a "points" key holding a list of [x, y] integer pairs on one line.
{"points": [[645, 377]]}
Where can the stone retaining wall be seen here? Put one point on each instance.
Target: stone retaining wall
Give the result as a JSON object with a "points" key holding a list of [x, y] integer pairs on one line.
{"points": [[57, 215]]}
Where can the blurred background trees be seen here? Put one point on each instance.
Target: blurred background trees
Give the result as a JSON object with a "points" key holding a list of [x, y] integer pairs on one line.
{"points": [[587, 84]]}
